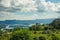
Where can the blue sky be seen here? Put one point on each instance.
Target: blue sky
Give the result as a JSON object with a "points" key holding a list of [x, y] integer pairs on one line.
{"points": [[55, 1], [29, 9]]}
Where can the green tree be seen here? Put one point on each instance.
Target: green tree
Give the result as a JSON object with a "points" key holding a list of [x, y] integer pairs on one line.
{"points": [[56, 23], [42, 38], [21, 35], [35, 27]]}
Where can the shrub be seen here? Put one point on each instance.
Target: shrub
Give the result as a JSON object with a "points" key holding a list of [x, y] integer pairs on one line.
{"points": [[42, 38], [35, 38], [21, 35], [53, 37]]}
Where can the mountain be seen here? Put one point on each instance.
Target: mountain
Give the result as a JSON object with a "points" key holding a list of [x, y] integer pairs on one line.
{"points": [[27, 22], [56, 23]]}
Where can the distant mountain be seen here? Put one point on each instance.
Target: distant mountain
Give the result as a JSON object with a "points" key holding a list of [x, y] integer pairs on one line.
{"points": [[27, 22]]}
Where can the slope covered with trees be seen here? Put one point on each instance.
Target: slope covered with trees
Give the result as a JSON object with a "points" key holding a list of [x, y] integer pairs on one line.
{"points": [[35, 32], [56, 23]]}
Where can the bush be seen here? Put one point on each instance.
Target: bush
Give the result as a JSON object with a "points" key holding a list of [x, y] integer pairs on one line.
{"points": [[53, 37], [42, 38], [46, 32], [35, 32], [35, 38], [21, 35]]}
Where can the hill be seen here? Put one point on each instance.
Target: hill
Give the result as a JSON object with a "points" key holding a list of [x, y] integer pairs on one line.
{"points": [[27, 22]]}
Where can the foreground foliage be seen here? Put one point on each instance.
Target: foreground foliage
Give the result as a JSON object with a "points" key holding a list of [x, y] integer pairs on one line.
{"points": [[35, 32]]}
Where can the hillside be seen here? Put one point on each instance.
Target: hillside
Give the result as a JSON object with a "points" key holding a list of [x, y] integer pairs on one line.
{"points": [[27, 22]]}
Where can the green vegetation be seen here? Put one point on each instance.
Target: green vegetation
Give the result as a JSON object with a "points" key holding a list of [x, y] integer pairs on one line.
{"points": [[35, 32]]}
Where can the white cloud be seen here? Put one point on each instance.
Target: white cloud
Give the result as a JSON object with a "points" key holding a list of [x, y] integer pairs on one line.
{"points": [[47, 9], [13, 16], [30, 5], [47, 15], [43, 4], [23, 5], [50, 15], [52, 6], [28, 9], [6, 3], [49, 6]]}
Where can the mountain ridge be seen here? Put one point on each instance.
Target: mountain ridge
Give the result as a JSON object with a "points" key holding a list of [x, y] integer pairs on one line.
{"points": [[43, 21]]}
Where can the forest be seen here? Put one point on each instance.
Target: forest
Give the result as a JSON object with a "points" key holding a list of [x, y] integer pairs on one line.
{"points": [[35, 32]]}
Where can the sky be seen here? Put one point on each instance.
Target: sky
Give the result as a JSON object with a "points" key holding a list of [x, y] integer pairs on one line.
{"points": [[29, 9]]}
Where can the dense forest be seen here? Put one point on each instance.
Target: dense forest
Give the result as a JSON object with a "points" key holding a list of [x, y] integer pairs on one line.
{"points": [[35, 32]]}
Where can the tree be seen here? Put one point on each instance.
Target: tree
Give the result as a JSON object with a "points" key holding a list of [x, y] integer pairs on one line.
{"points": [[53, 37], [56, 23], [21, 35], [42, 38], [35, 27]]}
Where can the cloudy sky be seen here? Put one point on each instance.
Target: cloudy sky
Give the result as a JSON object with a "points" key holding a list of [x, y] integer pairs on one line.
{"points": [[29, 9]]}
